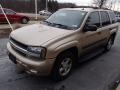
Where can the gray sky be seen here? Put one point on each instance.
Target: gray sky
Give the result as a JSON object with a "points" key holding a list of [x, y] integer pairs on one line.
{"points": [[89, 2], [78, 2]]}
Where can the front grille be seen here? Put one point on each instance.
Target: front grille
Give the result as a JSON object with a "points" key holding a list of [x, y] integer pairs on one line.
{"points": [[18, 47], [18, 43], [21, 53], [21, 48]]}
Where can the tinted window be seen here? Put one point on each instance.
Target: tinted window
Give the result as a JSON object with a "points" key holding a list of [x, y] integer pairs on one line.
{"points": [[112, 16], [105, 18], [94, 19], [9, 11]]}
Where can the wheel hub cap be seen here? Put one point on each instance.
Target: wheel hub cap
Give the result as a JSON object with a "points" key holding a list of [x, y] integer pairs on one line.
{"points": [[65, 66]]}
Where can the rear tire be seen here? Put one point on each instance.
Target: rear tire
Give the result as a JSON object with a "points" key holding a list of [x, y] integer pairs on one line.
{"points": [[24, 20], [63, 66], [109, 44]]}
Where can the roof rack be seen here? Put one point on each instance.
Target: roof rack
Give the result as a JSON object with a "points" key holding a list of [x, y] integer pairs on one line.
{"points": [[90, 7], [86, 7]]}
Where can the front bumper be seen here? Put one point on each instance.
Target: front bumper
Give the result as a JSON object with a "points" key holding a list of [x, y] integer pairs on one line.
{"points": [[31, 66]]}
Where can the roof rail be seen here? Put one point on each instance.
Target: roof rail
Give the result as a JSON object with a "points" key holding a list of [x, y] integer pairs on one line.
{"points": [[91, 7], [86, 7]]}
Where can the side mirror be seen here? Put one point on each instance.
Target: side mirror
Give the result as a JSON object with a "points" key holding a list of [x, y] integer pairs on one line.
{"points": [[90, 28]]}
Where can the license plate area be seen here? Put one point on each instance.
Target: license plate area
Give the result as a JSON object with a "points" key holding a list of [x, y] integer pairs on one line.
{"points": [[12, 58]]}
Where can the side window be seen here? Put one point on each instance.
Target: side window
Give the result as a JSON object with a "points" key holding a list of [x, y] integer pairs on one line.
{"points": [[112, 16], [9, 11], [94, 19], [105, 18]]}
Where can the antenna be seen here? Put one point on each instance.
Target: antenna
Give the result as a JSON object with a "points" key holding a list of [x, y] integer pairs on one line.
{"points": [[6, 17]]}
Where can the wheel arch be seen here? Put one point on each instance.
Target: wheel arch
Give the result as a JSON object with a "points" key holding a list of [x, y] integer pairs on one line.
{"points": [[113, 35], [25, 17], [73, 49]]}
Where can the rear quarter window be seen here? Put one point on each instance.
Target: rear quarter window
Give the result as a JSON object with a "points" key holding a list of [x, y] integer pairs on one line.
{"points": [[7, 11], [112, 16], [105, 18]]}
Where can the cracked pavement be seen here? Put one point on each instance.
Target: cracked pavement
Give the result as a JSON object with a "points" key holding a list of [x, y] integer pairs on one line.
{"points": [[99, 73]]}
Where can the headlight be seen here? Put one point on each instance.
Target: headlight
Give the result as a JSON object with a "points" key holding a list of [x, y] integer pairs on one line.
{"points": [[38, 52]]}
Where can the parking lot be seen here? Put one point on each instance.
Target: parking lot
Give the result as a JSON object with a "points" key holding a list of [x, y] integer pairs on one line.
{"points": [[99, 73], [6, 26], [32, 21]]}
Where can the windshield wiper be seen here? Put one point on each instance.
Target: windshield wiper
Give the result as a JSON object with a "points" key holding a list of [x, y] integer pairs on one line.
{"points": [[58, 25], [47, 22], [61, 26]]}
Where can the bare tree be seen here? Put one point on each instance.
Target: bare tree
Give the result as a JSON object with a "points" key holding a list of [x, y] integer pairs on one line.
{"points": [[100, 3]]}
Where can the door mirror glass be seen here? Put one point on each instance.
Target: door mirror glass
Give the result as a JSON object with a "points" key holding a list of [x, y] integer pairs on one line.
{"points": [[90, 28]]}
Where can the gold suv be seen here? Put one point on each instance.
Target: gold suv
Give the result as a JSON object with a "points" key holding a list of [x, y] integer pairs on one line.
{"points": [[53, 46]]}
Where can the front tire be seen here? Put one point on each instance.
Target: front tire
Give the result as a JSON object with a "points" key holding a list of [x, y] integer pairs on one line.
{"points": [[63, 66]]}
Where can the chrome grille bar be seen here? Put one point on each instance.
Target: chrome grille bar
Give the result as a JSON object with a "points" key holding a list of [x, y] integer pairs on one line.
{"points": [[18, 48]]}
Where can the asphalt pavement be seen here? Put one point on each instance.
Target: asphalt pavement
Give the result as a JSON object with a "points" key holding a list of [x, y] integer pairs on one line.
{"points": [[99, 73]]}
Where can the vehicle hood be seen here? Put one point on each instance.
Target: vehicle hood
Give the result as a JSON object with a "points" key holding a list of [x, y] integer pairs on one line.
{"points": [[37, 34]]}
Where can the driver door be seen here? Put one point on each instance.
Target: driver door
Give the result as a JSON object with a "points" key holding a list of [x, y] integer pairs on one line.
{"points": [[90, 39]]}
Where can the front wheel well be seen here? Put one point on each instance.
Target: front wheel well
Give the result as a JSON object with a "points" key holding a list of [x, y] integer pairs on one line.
{"points": [[113, 34], [25, 17], [74, 51]]}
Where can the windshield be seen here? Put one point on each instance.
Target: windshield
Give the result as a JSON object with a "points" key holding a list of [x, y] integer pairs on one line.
{"points": [[66, 19]]}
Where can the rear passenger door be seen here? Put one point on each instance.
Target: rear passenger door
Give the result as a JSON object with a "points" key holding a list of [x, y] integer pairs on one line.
{"points": [[105, 28]]}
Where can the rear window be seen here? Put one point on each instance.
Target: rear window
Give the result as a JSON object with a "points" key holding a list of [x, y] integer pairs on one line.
{"points": [[112, 16], [105, 18], [8, 11], [0, 11]]}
